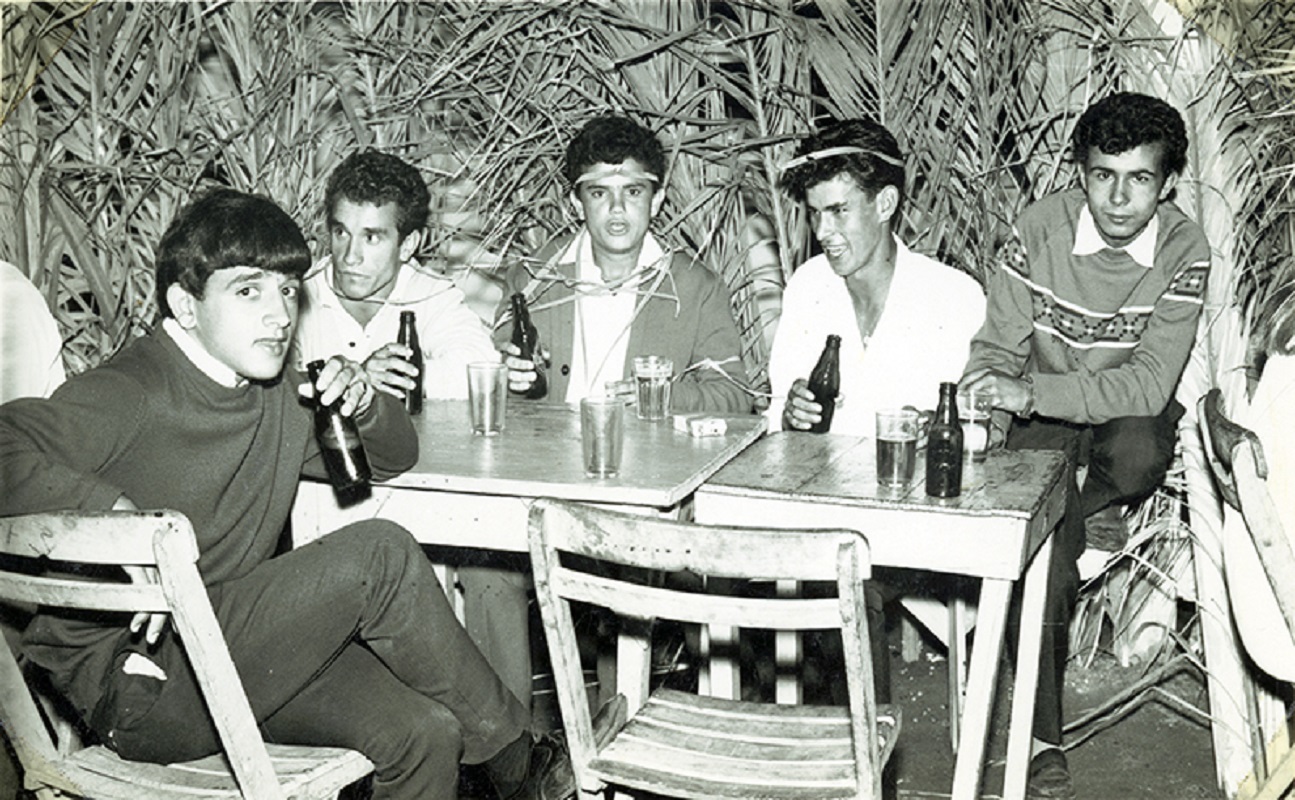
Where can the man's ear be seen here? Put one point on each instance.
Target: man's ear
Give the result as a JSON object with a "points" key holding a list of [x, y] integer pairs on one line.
{"points": [[886, 201], [658, 197], [1171, 180], [409, 245], [182, 305], [576, 205]]}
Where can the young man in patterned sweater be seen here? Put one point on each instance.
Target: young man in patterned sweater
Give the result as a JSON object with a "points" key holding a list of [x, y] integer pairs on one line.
{"points": [[1091, 316]]}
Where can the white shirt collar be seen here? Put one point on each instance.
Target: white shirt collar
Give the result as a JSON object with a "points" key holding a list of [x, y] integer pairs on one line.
{"points": [[581, 252], [1088, 240], [206, 363]]}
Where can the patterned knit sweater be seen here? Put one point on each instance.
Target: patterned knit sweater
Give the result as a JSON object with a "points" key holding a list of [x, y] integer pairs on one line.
{"points": [[1102, 335]]}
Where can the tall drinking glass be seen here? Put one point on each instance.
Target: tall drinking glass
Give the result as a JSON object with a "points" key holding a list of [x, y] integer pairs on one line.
{"points": [[897, 431], [602, 435], [487, 396]]}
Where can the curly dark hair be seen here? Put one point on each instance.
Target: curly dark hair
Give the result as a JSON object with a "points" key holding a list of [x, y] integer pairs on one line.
{"points": [[880, 166], [226, 228], [1125, 120], [380, 178], [611, 139]]}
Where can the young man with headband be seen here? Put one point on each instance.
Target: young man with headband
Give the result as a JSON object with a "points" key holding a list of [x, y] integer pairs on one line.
{"points": [[905, 320], [611, 291]]}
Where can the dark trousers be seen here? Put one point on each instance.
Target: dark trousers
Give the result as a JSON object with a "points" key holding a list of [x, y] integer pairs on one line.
{"points": [[347, 641], [1127, 458]]}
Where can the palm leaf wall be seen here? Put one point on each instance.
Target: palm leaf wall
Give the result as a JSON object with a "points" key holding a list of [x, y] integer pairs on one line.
{"points": [[115, 113]]}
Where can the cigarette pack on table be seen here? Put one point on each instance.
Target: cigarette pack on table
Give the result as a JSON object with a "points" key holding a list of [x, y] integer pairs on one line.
{"points": [[700, 425]]}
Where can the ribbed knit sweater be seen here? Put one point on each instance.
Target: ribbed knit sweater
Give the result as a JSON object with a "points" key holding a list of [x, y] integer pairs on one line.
{"points": [[151, 426], [1102, 335]]}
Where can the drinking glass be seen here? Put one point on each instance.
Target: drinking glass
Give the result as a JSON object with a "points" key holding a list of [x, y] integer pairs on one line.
{"points": [[897, 431], [602, 435], [652, 375], [487, 396], [974, 413]]}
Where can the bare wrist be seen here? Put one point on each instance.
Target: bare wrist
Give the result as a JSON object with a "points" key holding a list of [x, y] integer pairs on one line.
{"points": [[1028, 409]]}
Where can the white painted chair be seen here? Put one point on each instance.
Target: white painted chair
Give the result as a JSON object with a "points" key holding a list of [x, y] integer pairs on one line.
{"points": [[680, 744], [161, 541]]}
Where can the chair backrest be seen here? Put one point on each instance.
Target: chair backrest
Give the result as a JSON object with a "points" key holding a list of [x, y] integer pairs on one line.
{"points": [[616, 561], [1237, 461], [161, 540]]}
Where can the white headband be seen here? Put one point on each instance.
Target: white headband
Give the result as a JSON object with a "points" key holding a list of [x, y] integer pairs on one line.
{"points": [[819, 155], [607, 171]]}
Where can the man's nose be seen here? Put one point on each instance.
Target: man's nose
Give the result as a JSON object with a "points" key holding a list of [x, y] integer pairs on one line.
{"points": [[1120, 191], [280, 310]]}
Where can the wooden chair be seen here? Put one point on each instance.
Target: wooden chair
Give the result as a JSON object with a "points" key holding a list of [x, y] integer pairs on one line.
{"points": [[164, 541], [1236, 458], [686, 745]]}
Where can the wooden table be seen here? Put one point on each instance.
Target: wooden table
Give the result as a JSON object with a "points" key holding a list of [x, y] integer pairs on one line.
{"points": [[476, 491], [998, 530]]}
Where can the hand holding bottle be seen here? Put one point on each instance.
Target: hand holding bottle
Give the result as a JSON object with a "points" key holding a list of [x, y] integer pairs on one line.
{"points": [[801, 411], [389, 369], [522, 374], [341, 378]]}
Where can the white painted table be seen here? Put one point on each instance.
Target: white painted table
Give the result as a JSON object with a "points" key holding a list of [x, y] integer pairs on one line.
{"points": [[998, 530], [476, 491]]}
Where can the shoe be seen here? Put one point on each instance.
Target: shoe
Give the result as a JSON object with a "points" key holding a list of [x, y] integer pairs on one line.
{"points": [[1049, 777], [1106, 530], [549, 775]]}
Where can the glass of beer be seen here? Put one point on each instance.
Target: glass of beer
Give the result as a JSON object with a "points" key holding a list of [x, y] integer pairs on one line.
{"points": [[897, 431], [974, 413], [652, 375]]}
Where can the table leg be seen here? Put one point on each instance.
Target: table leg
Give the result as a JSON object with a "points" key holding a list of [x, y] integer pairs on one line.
{"points": [[1019, 732], [982, 678]]}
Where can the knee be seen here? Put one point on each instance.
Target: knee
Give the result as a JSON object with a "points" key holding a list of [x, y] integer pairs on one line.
{"points": [[1133, 463]]}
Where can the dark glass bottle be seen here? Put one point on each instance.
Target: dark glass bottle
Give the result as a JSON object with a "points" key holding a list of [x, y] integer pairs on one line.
{"points": [[527, 340], [825, 382], [339, 442], [944, 447], [409, 337]]}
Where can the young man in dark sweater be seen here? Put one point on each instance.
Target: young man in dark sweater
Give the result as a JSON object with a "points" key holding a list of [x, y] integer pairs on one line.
{"points": [[347, 641], [1092, 313]]}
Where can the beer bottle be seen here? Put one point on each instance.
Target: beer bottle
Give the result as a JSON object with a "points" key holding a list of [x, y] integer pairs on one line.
{"points": [[527, 340], [339, 441], [944, 447], [409, 337], [825, 382]]}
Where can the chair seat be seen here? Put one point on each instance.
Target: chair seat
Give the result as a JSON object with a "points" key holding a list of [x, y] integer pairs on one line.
{"points": [[685, 745], [304, 772]]}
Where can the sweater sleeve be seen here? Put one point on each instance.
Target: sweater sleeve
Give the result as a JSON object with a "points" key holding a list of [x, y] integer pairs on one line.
{"points": [[1003, 342], [389, 438], [51, 449], [720, 383], [390, 442], [1143, 385]]}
